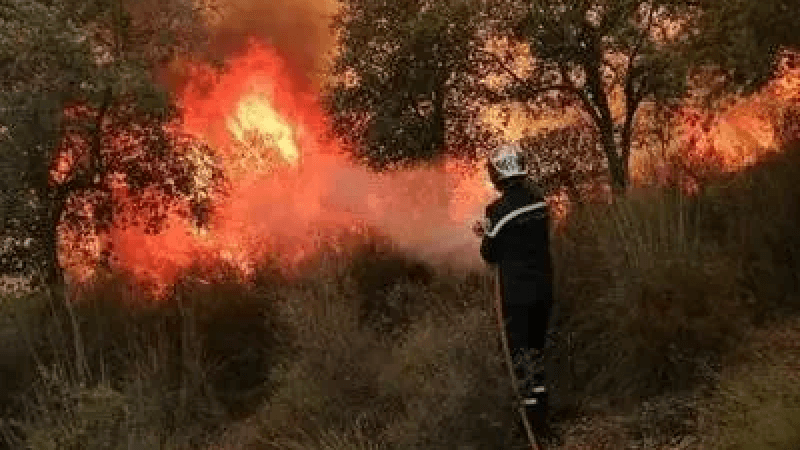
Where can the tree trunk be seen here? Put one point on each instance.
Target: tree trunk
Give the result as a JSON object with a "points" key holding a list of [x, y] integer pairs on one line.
{"points": [[439, 127], [598, 104], [53, 273], [618, 168], [58, 196], [617, 161]]}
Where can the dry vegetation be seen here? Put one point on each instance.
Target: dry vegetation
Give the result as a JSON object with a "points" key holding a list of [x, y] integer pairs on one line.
{"points": [[677, 328]]}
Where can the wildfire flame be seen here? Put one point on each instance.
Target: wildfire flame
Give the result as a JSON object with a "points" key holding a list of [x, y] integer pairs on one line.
{"points": [[255, 118], [289, 181], [253, 112]]}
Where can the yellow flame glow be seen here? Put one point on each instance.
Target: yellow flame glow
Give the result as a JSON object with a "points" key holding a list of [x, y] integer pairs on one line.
{"points": [[255, 116]]}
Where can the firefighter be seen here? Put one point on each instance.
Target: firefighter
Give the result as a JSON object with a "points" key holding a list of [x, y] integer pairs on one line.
{"points": [[515, 238]]}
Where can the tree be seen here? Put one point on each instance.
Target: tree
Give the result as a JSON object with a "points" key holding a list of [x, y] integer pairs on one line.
{"points": [[566, 159], [80, 114], [608, 58], [412, 74], [605, 58], [742, 40], [406, 76]]}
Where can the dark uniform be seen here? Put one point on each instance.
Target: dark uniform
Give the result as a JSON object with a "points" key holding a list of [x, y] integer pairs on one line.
{"points": [[517, 241]]}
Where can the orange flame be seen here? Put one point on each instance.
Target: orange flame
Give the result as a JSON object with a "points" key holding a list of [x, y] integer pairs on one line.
{"points": [[258, 120], [708, 144], [289, 182]]}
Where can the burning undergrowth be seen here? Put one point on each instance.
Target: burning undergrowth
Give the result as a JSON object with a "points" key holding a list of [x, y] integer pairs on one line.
{"points": [[291, 187]]}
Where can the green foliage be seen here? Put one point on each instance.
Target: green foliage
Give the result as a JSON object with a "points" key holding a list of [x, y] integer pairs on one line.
{"points": [[742, 42], [47, 56], [406, 78], [49, 51]]}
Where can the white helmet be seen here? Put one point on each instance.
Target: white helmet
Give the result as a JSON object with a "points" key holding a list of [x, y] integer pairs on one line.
{"points": [[507, 161]]}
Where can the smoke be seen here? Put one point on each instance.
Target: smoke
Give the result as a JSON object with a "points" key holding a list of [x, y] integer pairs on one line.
{"points": [[278, 52], [283, 211], [298, 29], [425, 212], [285, 214]]}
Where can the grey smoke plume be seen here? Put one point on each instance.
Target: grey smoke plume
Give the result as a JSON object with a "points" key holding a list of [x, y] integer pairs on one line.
{"points": [[298, 29]]}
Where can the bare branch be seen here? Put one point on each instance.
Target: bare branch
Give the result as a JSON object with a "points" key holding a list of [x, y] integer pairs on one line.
{"points": [[587, 102], [633, 96], [531, 90], [636, 50]]}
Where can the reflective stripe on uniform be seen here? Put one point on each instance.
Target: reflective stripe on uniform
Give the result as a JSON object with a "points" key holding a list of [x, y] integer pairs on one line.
{"points": [[513, 214]]}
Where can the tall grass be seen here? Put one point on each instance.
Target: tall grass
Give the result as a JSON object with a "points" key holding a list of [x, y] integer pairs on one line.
{"points": [[104, 373], [645, 299], [656, 287]]}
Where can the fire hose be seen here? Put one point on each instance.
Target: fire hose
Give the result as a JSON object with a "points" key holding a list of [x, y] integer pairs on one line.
{"points": [[519, 400]]}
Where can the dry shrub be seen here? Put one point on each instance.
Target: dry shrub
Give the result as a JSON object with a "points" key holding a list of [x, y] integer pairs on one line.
{"points": [[175, 369], [422, 371], [645, 303], [442, 387], [372, 349], [388, 353], [657, 287], [393, 289], [595, 433], [454, 387], [753, 218]]}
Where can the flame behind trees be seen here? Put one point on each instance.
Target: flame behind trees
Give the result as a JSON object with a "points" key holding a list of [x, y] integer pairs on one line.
{"points": [[606, 59], [617, 62]]}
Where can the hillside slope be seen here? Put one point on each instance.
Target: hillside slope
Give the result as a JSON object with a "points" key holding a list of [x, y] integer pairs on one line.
{"points": [[677, 328]]}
